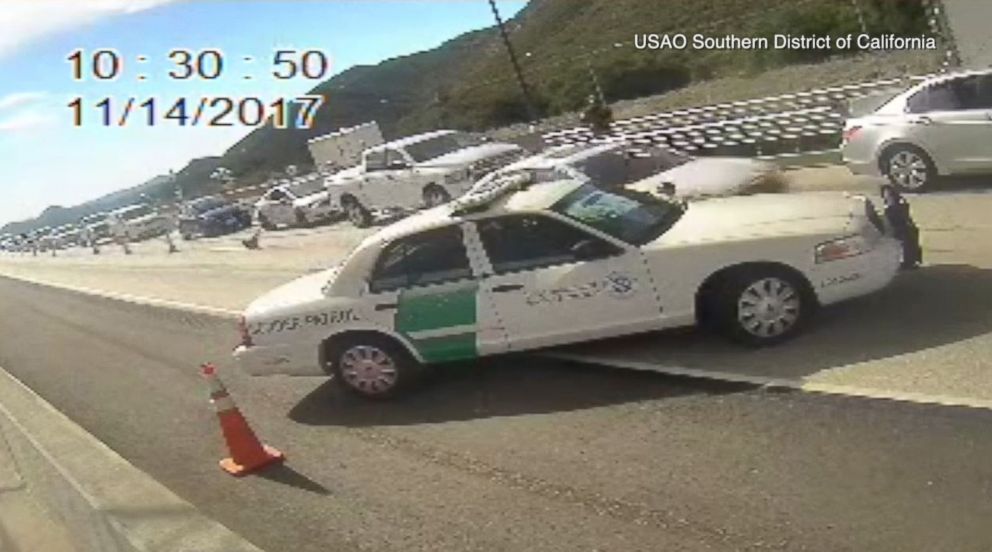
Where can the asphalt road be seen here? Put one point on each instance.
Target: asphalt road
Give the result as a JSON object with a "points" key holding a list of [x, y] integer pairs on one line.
{"points": [[513, 454]]}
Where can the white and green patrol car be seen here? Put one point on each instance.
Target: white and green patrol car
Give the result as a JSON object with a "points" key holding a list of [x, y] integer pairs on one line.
{"points": [[520, 265]]}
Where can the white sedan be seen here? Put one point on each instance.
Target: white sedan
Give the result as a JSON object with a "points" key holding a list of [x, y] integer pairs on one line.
{"points": [[301, 203], [522, 265]]}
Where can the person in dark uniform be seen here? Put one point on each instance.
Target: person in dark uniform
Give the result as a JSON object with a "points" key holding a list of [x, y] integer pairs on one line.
{"points": [[597, 115], [903, 228]]}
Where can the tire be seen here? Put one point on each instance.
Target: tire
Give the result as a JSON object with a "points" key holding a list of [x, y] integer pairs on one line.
{"points": [[301, 220], [435, 195], [760, 306], [357, 213], [909, 168], [264, 222], [373, 366]]}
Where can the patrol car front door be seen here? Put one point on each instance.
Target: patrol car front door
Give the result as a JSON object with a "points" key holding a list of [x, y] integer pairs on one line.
{"points": [[424, 288], [551, 282]]}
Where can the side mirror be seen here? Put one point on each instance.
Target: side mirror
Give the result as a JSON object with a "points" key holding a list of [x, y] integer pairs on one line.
{"points": [[587, 250]]}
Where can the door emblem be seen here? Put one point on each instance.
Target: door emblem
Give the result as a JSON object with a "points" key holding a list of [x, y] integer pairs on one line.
{"points": [[620, 285]]}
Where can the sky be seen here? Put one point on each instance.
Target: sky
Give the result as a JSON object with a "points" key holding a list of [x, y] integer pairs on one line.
{"points": [[47, 160]]}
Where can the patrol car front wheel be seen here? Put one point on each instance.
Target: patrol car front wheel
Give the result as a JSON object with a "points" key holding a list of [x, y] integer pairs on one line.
{"points": [[761, 307], [373, 367]]}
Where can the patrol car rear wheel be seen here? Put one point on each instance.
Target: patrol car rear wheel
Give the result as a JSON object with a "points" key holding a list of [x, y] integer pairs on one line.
{"points": [[761, 306], [373, 367]]}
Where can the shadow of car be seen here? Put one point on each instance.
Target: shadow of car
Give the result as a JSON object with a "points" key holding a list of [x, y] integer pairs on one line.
{"points": [[935, 306]]}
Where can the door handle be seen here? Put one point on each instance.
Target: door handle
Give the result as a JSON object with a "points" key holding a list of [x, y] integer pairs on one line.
{"points": [[507, 287], [924, 120], [386, 306]]}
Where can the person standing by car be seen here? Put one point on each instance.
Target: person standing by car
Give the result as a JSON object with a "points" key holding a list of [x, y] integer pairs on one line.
{"points": [[598, 115]]}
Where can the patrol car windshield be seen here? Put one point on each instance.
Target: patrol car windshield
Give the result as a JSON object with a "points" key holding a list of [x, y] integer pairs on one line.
{"points": [[620, 167], [634, 217], [441, 145]]}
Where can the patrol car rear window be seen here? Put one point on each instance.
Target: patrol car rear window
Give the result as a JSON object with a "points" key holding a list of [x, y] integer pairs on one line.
{"points": [[431, 257], [634, 217]]}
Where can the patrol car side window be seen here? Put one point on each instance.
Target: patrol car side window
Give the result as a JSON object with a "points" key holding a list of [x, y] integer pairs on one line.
{"points": [[516, 243], [431, 257]]}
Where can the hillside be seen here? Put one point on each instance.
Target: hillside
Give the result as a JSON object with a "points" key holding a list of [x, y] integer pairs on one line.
{"points": [[468, 83]]}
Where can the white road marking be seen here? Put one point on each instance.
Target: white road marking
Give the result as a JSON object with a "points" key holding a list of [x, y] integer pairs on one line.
{"points": [[135, 299], [787, 383], [717, 375]]}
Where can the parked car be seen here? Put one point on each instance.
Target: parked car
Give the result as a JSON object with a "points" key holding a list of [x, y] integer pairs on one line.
{"points": [[617, 164], [64, 236], [941, 126], [212, 216], [302, 203], [138, 222], [520, 265], [419, 171]]}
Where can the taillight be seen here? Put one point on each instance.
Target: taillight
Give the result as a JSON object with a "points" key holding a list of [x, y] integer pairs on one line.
{"points": [[850, 133], [243, 330]]}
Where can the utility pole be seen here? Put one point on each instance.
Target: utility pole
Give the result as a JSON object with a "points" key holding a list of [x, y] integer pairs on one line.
{"points": [[861, 16], [528, 100]]}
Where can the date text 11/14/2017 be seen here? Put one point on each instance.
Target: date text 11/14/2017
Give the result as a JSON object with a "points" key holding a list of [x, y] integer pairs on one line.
{"points": [[215, 111]]}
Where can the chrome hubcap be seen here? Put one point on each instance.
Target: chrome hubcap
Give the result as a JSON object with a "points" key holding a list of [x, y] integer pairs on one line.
{"points": [[368, 369], [434, 198], [768, 307], [355, 213], [908, 169]]}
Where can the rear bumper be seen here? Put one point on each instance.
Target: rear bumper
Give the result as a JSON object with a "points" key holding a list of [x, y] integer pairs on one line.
{"points": [[860, 159], [860, 275], [271, 360]]}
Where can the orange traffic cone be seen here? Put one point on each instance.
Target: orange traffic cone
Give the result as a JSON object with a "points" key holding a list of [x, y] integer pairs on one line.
{"points": [[247, 453]]}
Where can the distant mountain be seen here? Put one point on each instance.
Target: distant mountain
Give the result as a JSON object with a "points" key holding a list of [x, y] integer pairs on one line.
{"points": [[468, 82]]}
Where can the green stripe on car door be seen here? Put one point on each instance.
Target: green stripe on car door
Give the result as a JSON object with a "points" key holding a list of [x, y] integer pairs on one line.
{"points": [[425, 314]]}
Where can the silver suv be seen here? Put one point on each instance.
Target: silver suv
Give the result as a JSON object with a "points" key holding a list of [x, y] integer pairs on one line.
{"points": [[941, 126]]}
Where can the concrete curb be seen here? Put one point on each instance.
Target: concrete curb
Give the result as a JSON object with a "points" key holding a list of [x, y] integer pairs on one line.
{"points": [[107, 504]]}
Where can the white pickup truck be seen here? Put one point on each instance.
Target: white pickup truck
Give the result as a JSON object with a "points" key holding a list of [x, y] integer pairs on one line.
{"points": [[424, 170]]}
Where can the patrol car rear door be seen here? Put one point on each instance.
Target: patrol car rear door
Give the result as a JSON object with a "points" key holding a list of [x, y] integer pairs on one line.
{"points": [[552, 282], [425, 288]]}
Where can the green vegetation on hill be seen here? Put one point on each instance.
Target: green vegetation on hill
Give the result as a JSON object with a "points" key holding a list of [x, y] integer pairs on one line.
{"points": [[468, 82]]}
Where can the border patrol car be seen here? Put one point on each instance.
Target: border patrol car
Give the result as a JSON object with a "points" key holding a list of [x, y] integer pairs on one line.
{"points": [[522, 264]]}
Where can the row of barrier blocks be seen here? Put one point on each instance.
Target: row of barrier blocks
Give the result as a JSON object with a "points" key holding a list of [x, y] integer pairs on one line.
{"points": [[762, 135], [787, 123]]}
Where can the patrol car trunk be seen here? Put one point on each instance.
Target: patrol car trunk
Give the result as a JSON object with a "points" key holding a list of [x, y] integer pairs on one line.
{"points": [[303, 290]]}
